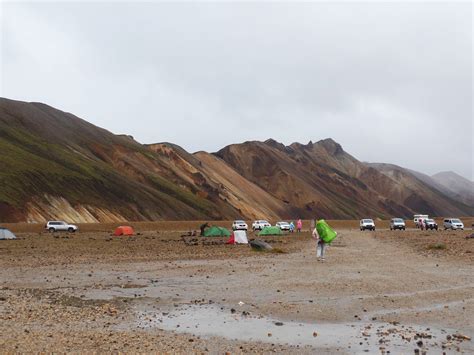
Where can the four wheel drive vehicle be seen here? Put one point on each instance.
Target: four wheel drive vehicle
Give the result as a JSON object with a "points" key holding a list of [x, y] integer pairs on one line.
{"points": [[453, 223], [239, 226], [431, 224], [284, 226], [56, 226], [367, 224], [397, 223], [259, 225]]}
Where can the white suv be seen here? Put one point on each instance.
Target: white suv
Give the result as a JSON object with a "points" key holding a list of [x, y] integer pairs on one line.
{"points": [[259, 225], [56, 226], [397, 223], [239, 226], [367, 224], [284, 226], [453, 223]]}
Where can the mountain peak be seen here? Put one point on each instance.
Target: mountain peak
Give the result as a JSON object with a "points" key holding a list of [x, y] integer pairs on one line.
{"points": [[275, 144], [331, 146]]}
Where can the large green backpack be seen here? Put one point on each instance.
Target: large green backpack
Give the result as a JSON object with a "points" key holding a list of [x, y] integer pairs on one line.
{"points": [[326, 233]]}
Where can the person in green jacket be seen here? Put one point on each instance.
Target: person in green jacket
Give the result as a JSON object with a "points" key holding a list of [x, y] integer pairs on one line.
{"points": [[320, 244]]}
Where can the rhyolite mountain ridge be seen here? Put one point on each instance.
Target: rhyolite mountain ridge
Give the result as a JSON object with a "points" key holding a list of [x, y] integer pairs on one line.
{"points": [[54, 165]]}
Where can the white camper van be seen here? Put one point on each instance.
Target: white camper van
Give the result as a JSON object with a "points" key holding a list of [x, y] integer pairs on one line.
{"points": [[418, 218]]}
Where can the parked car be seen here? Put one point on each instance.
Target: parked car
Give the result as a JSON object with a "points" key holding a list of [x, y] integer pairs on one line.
{"points": [[284, 226], [418, 218], [260, 224], [57, 226], [397, 223], [431, 224], [239, 225], [367, 224], [453, 223]]}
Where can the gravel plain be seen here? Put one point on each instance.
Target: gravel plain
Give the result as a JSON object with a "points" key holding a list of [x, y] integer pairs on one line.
{"points": [[387, 292]]}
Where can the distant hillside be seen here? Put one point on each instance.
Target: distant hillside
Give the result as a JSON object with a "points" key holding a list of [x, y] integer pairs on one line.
{"points": [[58, 166], [460, 187], [423, 194]]}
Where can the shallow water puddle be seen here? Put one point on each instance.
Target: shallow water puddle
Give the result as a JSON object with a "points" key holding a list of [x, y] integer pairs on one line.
{"points": [[211, 320]]}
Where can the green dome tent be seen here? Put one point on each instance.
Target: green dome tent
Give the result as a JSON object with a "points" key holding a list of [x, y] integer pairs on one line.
{"points": [[270, 231], [215, 231]]}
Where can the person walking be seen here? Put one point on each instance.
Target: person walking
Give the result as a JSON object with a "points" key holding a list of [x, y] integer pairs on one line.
{"points": [[299, 225], [203, 228], [320, 244], [292, 227]]}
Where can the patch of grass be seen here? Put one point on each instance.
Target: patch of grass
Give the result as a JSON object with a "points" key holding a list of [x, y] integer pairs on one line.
{"points": [[33, 166], [181, 194], [437, 246]]}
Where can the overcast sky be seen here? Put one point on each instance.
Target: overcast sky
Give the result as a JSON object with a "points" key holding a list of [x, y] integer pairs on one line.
{"points": [[391, 82]]}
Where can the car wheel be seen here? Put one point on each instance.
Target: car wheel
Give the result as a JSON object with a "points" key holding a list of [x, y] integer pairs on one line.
{"points": [[70, 230], [52, 230]]}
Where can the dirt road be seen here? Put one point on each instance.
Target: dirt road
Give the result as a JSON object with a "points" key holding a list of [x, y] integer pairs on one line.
{"points": [[377, 292]]}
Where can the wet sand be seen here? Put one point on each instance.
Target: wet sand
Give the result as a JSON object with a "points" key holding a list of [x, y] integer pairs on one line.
{"points": [[377, 292]]}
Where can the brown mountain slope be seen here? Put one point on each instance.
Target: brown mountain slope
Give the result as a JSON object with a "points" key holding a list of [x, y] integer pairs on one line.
{"points": [[307, 182], [321, 178], [55, 165], [418, 195], [58, 166], [251, 200]]}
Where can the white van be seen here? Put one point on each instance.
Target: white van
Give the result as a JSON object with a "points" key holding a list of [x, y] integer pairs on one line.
{"points": [[453, 223]]}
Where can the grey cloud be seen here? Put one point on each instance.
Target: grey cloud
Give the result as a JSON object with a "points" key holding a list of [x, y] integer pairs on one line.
{"points": [[391, 82]]}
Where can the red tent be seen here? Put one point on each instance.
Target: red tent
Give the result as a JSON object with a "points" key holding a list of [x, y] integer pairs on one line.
{"points": [[124, 230]]}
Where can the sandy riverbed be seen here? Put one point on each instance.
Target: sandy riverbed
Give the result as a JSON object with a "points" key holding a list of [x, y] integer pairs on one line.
{"points": [[377, 291]]}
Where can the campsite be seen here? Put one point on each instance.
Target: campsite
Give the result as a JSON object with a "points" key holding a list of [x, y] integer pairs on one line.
{"points": [[95, 291]]}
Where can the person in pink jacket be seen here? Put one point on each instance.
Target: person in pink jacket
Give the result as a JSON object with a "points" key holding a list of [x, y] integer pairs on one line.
{"points": [[299, 225]]}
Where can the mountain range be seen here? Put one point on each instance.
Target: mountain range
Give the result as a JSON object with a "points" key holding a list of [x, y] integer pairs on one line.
{"points": [[55, 165]]}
